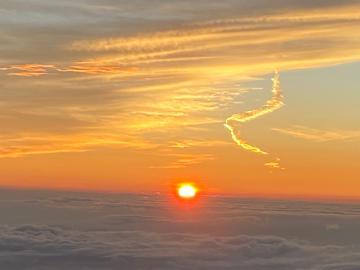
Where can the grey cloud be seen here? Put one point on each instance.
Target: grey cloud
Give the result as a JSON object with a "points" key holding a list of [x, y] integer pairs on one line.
{"points": [[63, 230], [44, 247], [332, 227]]}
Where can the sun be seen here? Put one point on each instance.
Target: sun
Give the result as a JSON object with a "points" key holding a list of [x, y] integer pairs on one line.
{"points": [[187, 191]]}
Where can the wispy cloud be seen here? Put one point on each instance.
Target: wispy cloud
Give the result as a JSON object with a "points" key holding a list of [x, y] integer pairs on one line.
{"points": [[275, 164], [319, 135], [155, 80], [238, 34], [182, 144], [97, 68], [182, 160], [34, 70], [37, 144], [28, 70], [271, 105]]}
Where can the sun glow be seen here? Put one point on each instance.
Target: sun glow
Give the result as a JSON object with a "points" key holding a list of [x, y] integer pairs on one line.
{"points": [[187, 191]]}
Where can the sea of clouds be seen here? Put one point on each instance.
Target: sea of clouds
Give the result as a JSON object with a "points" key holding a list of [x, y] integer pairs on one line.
{"points": [[75, 231]]}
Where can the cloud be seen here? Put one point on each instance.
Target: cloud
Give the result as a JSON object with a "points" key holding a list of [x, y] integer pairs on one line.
{"points": [[275, 164], [96, 68], [211, 38], [36, 144], [271, 105], [28, 70], [161, 74], [319, 135], [183, 160], [197, 143], [69, 230], [44, 247], [34, 70]]}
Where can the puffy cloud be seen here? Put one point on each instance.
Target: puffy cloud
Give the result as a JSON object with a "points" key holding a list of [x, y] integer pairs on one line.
{"points": [[57, 230], [44, 247]]}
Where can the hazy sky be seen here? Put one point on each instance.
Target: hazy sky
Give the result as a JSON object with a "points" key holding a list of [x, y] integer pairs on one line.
{"points": [[134, 95]]}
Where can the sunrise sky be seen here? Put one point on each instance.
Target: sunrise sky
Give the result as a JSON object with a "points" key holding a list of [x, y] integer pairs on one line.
{"points": [[134, 96]]}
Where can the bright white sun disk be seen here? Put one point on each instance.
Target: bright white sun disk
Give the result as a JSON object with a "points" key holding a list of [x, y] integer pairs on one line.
{"points": [[187, 191]]}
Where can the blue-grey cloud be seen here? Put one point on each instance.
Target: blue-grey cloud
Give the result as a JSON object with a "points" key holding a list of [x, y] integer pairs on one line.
{"points": [[95, 232]]}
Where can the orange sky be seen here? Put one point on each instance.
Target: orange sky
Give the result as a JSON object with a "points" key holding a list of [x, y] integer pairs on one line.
{"points": [[137, 99]]}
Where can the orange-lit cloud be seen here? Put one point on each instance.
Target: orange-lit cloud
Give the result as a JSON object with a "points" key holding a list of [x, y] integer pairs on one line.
{"points": [[152, 85], [271, 105], [275, 164], [97, 68], [178, 83], [184, 160], [228, 38], [38, 144], [93, 68], [28, 70], [197, 143]]}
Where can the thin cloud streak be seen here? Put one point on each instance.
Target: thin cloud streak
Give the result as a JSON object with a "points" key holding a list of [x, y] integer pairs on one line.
{"points": [[35, 70], [275, 103], [96, 68], [28, 70], [319, 135], [184, 160], [39, 144]]}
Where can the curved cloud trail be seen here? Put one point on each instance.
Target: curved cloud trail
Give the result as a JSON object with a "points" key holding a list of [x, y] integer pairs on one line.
{"points": [[271, 105]]}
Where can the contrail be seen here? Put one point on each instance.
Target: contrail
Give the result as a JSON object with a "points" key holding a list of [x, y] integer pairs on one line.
{"points": [[271, 105]]}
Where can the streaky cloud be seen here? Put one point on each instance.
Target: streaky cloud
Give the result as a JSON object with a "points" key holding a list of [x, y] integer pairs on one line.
{"points": [[319, 135], [271, 105], [27, 70]]}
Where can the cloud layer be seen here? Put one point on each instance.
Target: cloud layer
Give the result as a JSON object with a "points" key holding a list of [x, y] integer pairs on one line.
{"points": [[137, 70], [94, 231]]}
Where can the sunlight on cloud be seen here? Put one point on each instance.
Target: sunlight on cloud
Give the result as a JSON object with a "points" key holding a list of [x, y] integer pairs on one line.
{"points": [[97, 68], [275, 103], [34, 144], [184, 160], [227, 39], [27, 70], [271, 105], [169, 81]]}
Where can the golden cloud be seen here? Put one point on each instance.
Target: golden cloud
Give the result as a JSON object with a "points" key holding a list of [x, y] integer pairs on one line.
{"points": [[28, 70], [180, 81]]}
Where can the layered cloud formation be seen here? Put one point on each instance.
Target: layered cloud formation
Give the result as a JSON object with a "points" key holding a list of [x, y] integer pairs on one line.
{"points": [[91, 231], [169, 70]]}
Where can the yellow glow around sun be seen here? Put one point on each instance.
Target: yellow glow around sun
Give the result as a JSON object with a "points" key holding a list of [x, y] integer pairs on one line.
{"points": [[187, 191]]}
